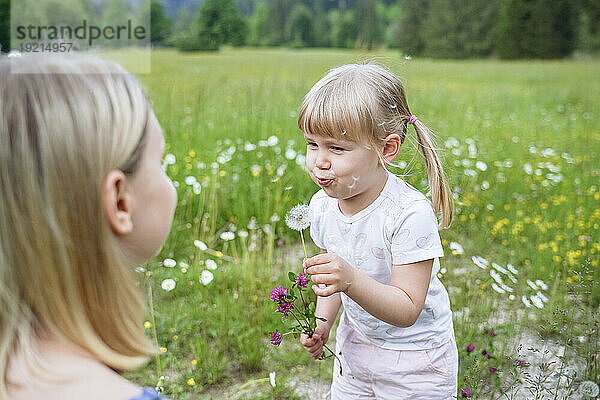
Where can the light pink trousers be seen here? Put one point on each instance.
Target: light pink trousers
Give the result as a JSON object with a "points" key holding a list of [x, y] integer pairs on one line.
{"points": [[372, 372]]}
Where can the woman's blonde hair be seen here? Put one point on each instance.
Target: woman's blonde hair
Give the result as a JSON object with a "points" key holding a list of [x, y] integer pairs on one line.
{"points": [[365, 103], [64, 124]]}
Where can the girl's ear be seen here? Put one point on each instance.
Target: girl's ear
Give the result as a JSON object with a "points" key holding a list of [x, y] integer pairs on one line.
{"points": [[116, 203], [391, 147]]}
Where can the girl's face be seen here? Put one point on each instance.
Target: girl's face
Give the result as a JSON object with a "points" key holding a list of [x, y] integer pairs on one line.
{"points": [[154, 198], [346, 170]]}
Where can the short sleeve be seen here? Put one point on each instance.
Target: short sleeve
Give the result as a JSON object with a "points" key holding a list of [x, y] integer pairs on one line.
{"points": [[316, 220], [415, 236]]}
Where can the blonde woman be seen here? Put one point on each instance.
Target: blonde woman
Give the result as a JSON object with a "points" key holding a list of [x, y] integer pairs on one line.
{"points": [[379, 239], [83, 199]]}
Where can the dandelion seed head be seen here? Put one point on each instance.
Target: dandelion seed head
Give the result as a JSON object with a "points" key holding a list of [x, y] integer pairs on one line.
{"points": [[298, 218], [589, 389]]}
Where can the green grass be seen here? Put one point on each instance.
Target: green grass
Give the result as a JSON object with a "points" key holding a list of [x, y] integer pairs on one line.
{"points": [[211, 105]]}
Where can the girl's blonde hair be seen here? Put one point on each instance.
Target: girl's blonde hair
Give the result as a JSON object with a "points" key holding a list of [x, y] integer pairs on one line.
{"points": [[365, 103], [61, 271]]}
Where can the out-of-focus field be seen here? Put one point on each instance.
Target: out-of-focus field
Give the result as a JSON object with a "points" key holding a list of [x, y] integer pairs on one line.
{"points": [[521, 146]]}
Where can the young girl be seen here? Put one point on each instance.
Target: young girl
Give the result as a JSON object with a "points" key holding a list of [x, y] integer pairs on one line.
{"points": [[379, 240], [83, 199]]}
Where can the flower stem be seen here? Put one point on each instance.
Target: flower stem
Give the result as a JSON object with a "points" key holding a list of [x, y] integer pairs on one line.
{"points": [[154, 335], [303, 246]]}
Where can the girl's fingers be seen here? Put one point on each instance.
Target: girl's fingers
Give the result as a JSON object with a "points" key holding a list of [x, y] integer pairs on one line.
{"points": [[324, 292], [316, 260], [327, 279]]}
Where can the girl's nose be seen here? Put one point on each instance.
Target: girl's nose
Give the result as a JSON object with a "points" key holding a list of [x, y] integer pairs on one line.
{"points": [[322, 162]]}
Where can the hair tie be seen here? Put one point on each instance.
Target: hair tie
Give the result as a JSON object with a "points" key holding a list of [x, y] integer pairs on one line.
{"points": [[412, 119]]}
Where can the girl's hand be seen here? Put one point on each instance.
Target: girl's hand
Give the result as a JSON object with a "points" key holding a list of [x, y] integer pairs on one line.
{"points": [[314, 345], [331, 270]]}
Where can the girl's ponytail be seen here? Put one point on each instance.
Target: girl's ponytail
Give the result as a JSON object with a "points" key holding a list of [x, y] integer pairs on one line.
{"points": [[440, 191]]}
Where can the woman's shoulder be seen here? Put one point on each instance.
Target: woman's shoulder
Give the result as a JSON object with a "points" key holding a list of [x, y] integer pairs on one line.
{"points": [[80, 377]]}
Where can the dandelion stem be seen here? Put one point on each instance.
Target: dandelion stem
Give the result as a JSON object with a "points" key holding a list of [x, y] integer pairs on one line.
{"points": [[154, 335], [303, 246]]}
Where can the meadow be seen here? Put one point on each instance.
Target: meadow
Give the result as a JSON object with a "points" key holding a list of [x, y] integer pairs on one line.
{"points": [[520, 143]]}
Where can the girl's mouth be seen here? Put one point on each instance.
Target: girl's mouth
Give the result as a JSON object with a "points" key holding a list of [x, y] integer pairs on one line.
{"points": [[323, 182]]}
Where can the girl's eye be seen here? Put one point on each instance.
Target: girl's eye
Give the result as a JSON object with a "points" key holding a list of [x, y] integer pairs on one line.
{"points": [[311, 144], [335, 148]]}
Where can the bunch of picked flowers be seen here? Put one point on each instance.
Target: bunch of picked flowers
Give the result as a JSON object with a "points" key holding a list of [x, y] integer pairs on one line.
{"points": [[291, 301]]}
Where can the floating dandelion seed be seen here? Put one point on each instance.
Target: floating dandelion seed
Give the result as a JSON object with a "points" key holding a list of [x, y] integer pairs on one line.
{"points": [[298, 219], [168, 285], [589, 389]]}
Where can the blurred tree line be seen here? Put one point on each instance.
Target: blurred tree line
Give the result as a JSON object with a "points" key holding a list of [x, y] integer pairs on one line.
{"points": [[429, 28]]}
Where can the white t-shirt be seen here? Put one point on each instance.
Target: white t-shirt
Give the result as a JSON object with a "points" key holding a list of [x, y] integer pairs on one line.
{"points": [[399, 227]]}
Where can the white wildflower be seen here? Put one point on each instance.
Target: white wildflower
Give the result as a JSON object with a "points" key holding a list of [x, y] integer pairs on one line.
{"points": [[243, 234], [485, 185], [298, 218], [512, 269], [480, 165], [190, 180], [274, 218], [511, 297], [272, 140], [589, 389], [206, 277], [499, 268], [456, 247], [227, 236], [272, 378], [537, 301], [526, 301], [480, 261], [168, 285], [497, 288], [506, 287], [169, 263], [211, 264], [528, 168], [542, 297], [249, 146], [541, 284], [201, 245], [532, 285], [496, 276]]}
